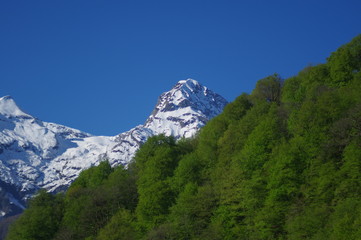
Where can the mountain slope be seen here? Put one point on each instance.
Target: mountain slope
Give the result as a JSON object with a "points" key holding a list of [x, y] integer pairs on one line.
{"points": [[36, 154]]}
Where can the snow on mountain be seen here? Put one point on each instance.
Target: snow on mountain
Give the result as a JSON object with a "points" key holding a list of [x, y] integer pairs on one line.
{"points": [[9, 108], [184, 109], [36, 154], [180, 112]]}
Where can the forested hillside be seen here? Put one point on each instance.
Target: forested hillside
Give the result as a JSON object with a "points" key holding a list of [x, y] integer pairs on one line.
{"points": [[283, 162]]}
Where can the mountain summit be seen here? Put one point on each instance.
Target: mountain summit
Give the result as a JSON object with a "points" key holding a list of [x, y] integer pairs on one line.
{"points": [[189, 104], [36, 154], [9, 108], [180, 112]]}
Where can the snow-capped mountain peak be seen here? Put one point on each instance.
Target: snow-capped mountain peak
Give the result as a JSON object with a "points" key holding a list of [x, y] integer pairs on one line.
{"points": [[36, 154], [188, 103], [9, 108]]}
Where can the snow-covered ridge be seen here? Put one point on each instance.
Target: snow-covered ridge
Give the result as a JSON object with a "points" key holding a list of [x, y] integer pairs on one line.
{"points": [[36, 154]]}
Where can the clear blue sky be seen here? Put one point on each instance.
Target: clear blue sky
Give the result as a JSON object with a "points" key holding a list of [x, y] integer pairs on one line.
{"points": [[99, 66]]}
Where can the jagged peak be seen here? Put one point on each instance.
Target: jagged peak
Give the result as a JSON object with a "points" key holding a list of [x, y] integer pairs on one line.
{"points": [[187, 97], [189, 81], [9, 108], [188, 85]]}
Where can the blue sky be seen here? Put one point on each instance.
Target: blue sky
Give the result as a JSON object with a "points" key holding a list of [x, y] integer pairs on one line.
{"points": [[99, 66]]}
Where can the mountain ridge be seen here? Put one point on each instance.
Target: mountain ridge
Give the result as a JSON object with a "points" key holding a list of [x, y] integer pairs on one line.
{"points": [[36, 154]]}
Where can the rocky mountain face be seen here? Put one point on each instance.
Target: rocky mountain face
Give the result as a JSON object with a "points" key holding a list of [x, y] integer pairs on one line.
{"points": [[36, 154]]}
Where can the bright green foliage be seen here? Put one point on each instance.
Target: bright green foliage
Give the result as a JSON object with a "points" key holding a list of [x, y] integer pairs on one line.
{"points": [[155, 162], [93, 176], [207, 149], [281, 163], [188, 171], [259, 143]]}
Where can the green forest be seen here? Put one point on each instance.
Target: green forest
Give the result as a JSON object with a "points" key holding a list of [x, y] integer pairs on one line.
{"points": [[283, 162]]}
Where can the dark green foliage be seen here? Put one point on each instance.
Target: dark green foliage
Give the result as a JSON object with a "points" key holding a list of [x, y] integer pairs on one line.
{"points": [[268, 89], [238, 108], [41, 220], [88, 203], [119, 227], [281, 163], [88, 206], [345, 62]]}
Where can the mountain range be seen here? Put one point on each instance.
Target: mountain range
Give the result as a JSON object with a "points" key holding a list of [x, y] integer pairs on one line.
{"points": [[35, 154]]}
